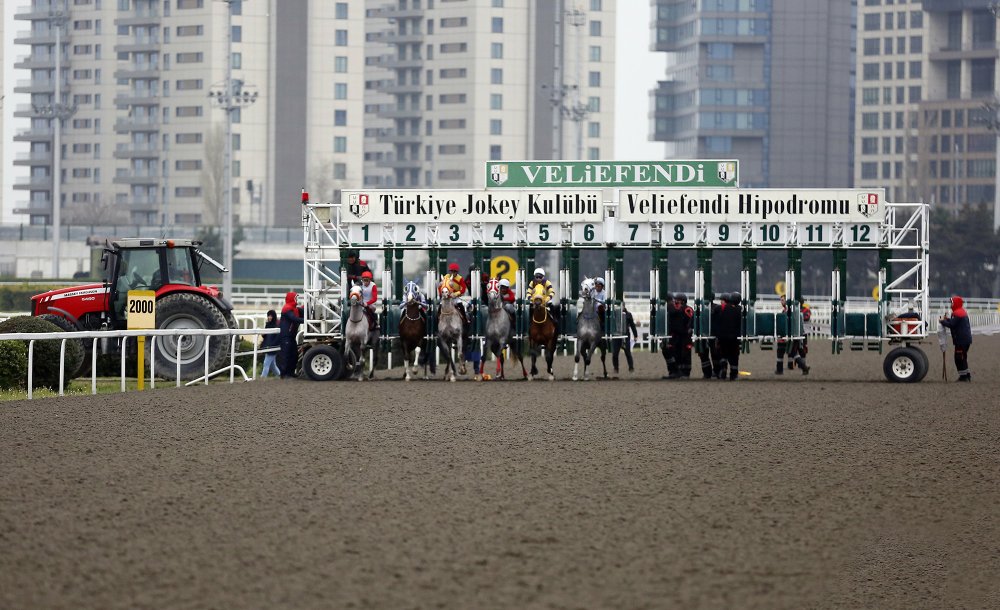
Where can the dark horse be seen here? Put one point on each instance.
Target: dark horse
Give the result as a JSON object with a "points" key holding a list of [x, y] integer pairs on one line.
{"points": [[541, 332], [412, 328]]}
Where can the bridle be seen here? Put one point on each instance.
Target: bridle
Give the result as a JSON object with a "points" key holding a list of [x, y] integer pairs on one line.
{"points": [[350, 318]]}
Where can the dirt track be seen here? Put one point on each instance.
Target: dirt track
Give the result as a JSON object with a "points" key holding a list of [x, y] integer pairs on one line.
{"points": [[768, 492]]}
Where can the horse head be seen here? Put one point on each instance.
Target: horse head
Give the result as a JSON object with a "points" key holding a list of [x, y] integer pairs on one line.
{"points": [[586, 288], [355, 296], [538, 294], [411, 292]]}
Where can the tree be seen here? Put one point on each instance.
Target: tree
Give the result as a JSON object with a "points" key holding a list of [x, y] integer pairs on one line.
{"points": [[964, 250], [322, 184], [213, 175]]}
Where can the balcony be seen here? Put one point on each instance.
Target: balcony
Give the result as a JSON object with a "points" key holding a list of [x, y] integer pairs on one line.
{"points": [[31, 62], [139, 19], [395, 138], [42, 208], [38, 85], [148, 179], [407, 38], [130, 125], [949, 53], [30, 37], [394, 12], [137, 98], [33, 183], [35, 158], [140, 72], [402, 89], [400, 113], [151, 46], [398, 64], [36, 134], [148, 151], [401, 163], [40, 10]]}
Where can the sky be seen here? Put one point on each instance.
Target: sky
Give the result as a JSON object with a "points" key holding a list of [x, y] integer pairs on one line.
{"points": [[638, 69]]}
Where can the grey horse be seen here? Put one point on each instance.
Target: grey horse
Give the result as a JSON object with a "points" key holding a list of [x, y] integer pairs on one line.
{"points": [[357, 337], [450, 334], [499, 334], [588, 332]]}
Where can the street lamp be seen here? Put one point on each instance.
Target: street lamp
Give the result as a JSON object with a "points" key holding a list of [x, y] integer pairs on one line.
{"points": [[230, 96], [57, 112]]}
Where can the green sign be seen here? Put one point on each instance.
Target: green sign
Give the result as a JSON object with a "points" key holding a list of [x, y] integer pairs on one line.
{"points": [[611, 174]]}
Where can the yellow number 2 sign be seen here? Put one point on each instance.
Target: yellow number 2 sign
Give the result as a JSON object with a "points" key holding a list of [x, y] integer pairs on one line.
{"points": [[504, 267]]}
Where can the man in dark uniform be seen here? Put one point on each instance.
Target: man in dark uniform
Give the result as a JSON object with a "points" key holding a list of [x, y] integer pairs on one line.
{"points": [[728, 335], [961, 336], [355, 267], [680, 326]]}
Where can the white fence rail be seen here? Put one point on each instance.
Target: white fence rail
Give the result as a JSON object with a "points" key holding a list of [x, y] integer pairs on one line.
{"points": [[124, 336]]}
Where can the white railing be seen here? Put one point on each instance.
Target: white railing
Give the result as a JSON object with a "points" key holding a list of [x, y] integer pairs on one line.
{"points": [[124, 335]]}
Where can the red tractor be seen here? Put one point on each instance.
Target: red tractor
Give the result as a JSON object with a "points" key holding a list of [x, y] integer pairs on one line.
{"points": [[172, 268]]}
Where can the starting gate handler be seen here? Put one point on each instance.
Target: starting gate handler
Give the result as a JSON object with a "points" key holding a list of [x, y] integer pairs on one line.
{"points": [[961, 336], [291, 317]]}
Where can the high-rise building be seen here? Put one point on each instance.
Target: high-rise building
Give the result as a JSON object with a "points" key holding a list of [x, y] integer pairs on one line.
{"points": [[925, 69], [333, 95], [767, 82]]}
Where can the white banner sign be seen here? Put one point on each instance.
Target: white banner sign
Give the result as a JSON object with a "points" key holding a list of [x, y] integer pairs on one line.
{"points": [[758, 205], [437, 206]]}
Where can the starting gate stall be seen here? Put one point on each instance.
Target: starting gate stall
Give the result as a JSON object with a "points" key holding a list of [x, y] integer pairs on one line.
{"points": [[615, 215]]}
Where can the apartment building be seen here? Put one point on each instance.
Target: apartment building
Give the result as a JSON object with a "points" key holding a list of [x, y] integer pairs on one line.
{"points": [[324, 96], [768, 82], [925, 69]]}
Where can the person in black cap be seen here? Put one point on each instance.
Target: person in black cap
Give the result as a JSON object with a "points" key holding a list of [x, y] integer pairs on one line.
{"points": [[355, 267]]}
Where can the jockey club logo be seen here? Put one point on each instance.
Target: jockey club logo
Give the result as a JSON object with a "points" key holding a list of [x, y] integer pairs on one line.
{"points": [[358, 204], [727, 172], [498, 172], [868, 204]]}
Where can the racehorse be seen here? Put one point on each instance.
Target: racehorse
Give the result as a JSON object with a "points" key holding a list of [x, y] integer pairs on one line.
{"points": [[500, 331], [450, 329], [412, 328], [541, 332], [588, 332], [357, 337]]}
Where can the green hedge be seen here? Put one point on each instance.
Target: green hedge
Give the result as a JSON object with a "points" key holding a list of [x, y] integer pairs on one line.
{"points": [[13, 365], [46, 353], [18, 298]]}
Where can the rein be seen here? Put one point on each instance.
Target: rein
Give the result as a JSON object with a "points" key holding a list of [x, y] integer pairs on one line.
{"points": [[350, 317], [593, 309], [545, 314]]}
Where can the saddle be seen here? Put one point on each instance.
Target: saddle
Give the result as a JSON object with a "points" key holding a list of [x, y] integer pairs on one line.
{"points": [[372, 320]]}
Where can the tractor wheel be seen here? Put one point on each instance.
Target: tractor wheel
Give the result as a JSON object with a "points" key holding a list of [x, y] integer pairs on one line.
{"points": [[187, 310], [905, 365], [323, 363], [73, 369]]}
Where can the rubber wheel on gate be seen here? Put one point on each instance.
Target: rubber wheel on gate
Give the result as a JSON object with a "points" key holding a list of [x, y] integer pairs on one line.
{"points": [[926, 361], [188, 310], [905, 365], [323, 363], [85, 345]]}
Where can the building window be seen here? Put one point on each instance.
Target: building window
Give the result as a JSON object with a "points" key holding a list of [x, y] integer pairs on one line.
{"points": [[496, 101], [187, 165], [869, 146], [495, 152], [871, 46], [594, 103], [454, 22], [496, 50], [870, 72], [593, 129], [496, 76], [189, 4], [869, 96], [496, 25], [873, 22], [340, 64], [237, 33], [340, 91], [595, 5], [340, 10], [340, 118], [189, 58], [916, 44], [869, 120], [869, 170], [595, 53], [237, 61], [339, 144], [190, 30], [594, 79], [340, 38], [916, 19], [496, 127], [916, 69], [451, 149], [451, 124], [451, 174], [452, 73], [887, 46], [187, 138], [452, 98], [188, 111]]}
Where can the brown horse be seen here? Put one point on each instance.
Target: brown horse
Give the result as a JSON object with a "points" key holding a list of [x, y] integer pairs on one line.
{"points": [[412, 328], [541, 332]]}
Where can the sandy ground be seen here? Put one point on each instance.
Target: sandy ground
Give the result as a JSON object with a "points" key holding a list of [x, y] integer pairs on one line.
{"points": [[835, 490]]}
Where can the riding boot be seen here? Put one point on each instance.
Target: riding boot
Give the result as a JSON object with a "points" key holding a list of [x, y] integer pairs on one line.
{"points": [[734, 374], [799, 360], [779, 368], [706, 369]]}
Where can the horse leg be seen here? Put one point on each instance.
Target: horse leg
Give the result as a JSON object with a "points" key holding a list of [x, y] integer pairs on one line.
{"points": [[604, 361], [550, 354], [460, 354], [576, 364], [359, 374], [534, 359], [371, 373], [449, 363]]}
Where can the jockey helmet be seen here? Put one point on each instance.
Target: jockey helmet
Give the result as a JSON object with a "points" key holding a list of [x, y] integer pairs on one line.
{"points": [[539, 272], [352, 254], [366, 274], [453, 267], [505, 283], [598, 281], [735, 298]]}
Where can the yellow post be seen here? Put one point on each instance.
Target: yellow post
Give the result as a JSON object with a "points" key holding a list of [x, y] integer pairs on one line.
{"points": [[141, 372]]}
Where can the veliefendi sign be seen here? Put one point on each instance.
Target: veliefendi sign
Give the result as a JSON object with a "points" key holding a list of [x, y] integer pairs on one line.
{"points": [[612, 174]]}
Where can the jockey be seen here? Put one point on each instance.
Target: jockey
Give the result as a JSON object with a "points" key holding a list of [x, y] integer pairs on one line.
{"points": [[420, 297], [369, 296], [456, 285], [601, 298], [507, 296], [550, 293]]}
